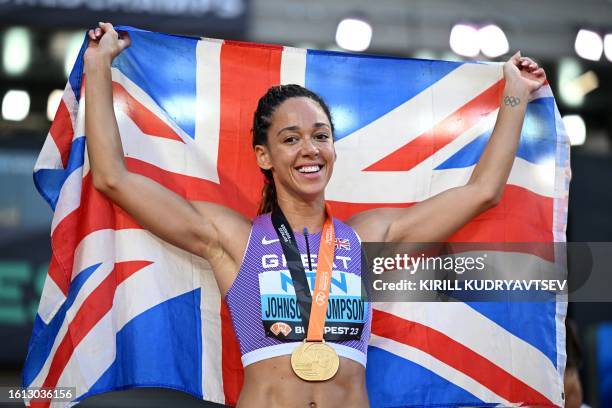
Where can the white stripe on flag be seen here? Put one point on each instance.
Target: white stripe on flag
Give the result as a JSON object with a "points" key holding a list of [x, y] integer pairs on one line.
{"points": [[49, 157], [51, 300], [438, 367], [210, 303], [537, 178], [91, 358], [79, 124], [69, 197], [293, 66], [563, 175], [70, 101], [400, 126], [533, 177], [207, 108]]}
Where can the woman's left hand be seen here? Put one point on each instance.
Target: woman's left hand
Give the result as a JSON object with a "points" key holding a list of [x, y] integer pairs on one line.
{"points": [[524, 73]]}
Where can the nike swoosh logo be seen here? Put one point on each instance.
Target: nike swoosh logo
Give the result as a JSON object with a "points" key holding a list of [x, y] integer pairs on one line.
{"points": [[265, 241]]}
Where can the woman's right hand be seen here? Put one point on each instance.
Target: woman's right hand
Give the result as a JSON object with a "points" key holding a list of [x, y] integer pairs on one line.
{"points": [[105, 42], [208, 230]]}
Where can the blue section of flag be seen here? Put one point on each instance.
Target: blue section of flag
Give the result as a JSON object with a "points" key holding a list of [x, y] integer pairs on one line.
{"points": [[162, 347], [166, 71], [43, 336], [76, 74], [391, 382], [49, 182], [535, 146], [361, 88], [533, 322]]}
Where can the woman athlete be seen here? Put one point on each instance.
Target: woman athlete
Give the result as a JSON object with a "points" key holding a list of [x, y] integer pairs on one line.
{"points": [[293, 143]]}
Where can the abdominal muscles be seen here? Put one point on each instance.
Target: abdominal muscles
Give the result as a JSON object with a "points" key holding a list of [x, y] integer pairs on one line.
{"points": [[272, 383]]}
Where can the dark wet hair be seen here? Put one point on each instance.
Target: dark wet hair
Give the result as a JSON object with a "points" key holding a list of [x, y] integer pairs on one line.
{"points": [[262, 119]]}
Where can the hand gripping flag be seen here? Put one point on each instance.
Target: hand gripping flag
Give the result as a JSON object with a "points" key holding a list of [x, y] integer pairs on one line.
{"points": [[121, 308]]}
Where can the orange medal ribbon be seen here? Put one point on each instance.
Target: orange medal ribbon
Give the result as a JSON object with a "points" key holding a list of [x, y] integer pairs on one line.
{"points": [[320, 295], [313, 360]]}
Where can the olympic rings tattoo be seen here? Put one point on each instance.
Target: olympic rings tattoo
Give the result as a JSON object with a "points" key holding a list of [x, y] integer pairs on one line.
{"points": [[511, 100]]}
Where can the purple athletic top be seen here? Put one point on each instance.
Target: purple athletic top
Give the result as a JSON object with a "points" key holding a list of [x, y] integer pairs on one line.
{"points": [[262, 298]]}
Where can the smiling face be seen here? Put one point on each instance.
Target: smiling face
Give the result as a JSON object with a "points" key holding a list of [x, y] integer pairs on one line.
{"points": [[300, 150]]}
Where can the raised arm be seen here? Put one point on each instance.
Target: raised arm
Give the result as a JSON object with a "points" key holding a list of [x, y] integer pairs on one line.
{"points": [[193, 226], [435, 219]]}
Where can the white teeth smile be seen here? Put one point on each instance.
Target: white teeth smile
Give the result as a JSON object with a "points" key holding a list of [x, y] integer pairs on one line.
{"points": [[309, 169]]}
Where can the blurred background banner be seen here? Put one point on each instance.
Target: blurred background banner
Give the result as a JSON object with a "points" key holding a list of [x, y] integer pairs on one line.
{"points": [[24, 252], [228, 18]]}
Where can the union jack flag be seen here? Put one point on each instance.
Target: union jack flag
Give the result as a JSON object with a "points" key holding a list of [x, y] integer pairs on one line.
{"points": [[121, 308], [342, 243]]}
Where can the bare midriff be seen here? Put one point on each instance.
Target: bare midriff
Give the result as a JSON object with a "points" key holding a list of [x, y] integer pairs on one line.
{"points": [[272, 383]]}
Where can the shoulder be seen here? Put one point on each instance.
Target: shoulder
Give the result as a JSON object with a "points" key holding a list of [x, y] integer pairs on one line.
{"points": [[343, 227]]}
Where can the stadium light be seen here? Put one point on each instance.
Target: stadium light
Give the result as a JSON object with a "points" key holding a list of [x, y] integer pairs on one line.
{"points": [[575, 128], [53, 102], [493, 41], [15, 105], [569, 91], [464, 40], [608, 46], [588, 45], [16, 52], [73, 46], [354, 34]]}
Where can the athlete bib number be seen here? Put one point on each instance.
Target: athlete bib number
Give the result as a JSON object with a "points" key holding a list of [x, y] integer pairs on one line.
{"points": [[280, 312]]}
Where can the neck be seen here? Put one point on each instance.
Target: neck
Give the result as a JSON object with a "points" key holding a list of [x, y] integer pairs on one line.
{"points": [[304, 214]]}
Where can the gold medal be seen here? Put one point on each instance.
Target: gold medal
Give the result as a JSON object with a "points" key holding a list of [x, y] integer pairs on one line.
{"points": [[314, 361]]}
